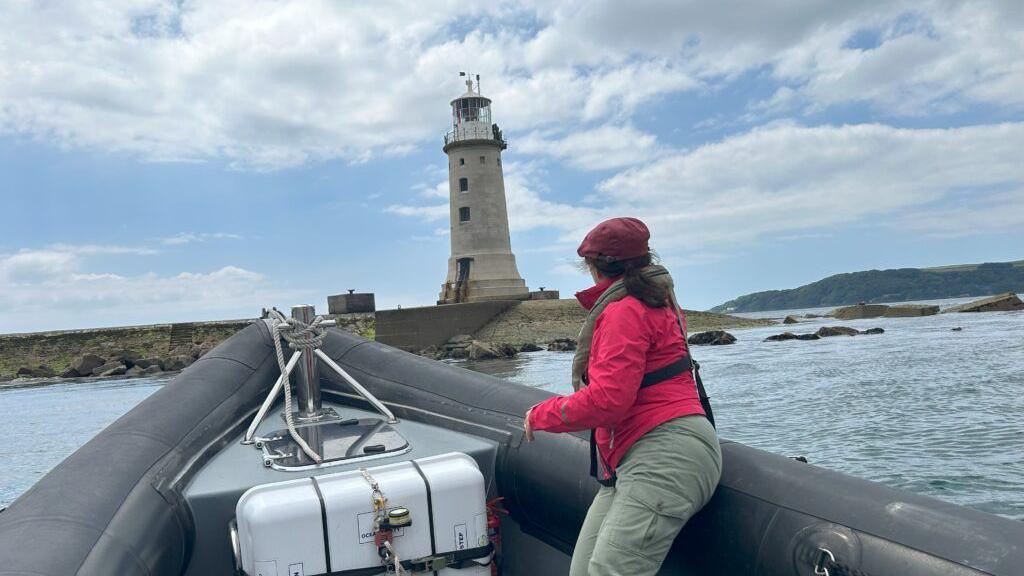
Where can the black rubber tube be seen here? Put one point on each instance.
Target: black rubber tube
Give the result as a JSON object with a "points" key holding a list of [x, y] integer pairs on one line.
{"points": [[115, 505]]}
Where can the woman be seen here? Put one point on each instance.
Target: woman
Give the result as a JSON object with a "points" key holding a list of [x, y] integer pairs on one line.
{"points": [[659, 457]]}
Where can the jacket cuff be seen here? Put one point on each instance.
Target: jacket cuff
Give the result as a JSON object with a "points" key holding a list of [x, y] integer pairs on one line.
{"points": [[548, 416]]}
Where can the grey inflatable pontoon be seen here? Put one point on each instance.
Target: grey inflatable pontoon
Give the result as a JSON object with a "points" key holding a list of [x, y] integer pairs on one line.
{"points": [[157, 492]]}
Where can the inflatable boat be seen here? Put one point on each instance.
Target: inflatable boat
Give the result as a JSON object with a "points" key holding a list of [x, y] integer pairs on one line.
{"points": [[422, 467]]}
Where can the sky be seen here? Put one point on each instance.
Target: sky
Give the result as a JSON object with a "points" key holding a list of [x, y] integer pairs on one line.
{"points": [[165, 161]]}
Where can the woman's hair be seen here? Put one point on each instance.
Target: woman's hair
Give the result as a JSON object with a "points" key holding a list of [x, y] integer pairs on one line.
{"points": [[637, 285]]}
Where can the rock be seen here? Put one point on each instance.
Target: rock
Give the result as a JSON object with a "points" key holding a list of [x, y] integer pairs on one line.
{"points": [[70, 373], [147, 362], [957, 329], [812, 316], [483, 351], [6, 378], [126, 357], [152, 369], [87, 363], [790, 320], [530, 347], [859, 311], [873, 331], [911, 310], [791, 336], [432, 352], [40, 371], [508, 350], [711, 338], [460, 339], [826, 331], [197, 351], [562, 345], [1000, 303], [135, 371], [175, 363], [115, 368], [458, 353]]}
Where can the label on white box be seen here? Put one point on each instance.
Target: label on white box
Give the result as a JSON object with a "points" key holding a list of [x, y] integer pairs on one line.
{"points": [[296, 570], [461, 537]]}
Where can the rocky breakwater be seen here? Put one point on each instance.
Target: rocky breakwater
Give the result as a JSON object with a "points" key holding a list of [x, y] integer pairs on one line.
{"points": [[860, 311], [823, 332], [542, 322], [911, 310], [1007, 302], [126, 351]]}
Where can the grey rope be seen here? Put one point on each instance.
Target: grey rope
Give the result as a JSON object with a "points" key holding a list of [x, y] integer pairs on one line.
{"points": [[304, 338]]}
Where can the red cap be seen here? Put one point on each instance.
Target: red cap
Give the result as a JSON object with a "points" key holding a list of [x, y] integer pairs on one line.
{"points": [[616, 239]]}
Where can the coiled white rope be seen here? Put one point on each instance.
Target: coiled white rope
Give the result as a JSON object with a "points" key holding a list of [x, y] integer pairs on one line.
{"points": [[304, 338]]}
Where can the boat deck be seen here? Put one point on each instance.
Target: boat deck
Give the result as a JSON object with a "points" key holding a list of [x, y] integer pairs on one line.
{"points": [[212, 494]]}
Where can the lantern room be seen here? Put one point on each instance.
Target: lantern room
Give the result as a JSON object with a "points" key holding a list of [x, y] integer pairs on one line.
{"points": [[471, 107], [471, 118]]}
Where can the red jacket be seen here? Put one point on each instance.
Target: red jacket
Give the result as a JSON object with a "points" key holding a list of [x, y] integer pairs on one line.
{"points": [[630, 340]]}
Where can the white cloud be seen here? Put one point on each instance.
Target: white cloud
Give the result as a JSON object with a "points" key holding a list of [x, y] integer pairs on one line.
{"points": [[194, 237], [788, 178], [785, 181], [602, 148], [431, 213], [528, 208], [969, 215], [56, 288], [268, 84]]}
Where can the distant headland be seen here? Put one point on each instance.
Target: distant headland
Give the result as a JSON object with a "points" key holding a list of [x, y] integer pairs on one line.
{"points": [[897, 285]]}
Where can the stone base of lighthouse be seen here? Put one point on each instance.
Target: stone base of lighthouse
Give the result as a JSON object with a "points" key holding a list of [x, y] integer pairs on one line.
{"points": [[479, 277]]}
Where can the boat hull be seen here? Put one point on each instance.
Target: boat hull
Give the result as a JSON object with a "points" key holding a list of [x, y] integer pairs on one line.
{"points": [[116, 505]]}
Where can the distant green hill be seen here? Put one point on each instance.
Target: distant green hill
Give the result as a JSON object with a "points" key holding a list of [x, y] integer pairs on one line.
{"points": [[899, 285]]}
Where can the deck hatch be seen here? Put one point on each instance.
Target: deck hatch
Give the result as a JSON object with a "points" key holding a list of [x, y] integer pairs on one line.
{"points": [[336, 440]]}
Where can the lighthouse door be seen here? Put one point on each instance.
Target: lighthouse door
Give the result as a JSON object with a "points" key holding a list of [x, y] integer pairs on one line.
{"points": [[462, 279]]}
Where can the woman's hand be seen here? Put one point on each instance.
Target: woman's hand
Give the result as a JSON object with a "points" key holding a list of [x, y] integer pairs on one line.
{"points": [[526, 426]]}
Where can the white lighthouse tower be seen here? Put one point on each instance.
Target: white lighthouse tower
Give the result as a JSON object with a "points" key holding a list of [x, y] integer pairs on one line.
{"points": [[482, 266]]}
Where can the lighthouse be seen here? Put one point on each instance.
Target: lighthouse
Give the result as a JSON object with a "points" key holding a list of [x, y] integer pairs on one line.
{"points": [[482, 266]]}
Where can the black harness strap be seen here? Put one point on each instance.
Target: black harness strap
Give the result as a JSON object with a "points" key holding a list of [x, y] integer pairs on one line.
{"points": [[680, 366], [458, 559], [665, 372], [430, 507], [323, 518]]}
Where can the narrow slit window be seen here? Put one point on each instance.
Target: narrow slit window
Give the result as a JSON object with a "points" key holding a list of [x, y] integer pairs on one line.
{"points": [[462, 161], [499, 160], [464, 214], [483, 159], [463, 184]]}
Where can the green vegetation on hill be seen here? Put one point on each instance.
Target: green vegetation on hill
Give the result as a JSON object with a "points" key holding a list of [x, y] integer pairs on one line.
{"points": [[899, 285]]}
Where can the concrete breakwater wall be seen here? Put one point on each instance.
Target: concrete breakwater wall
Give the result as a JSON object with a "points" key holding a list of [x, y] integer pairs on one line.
{"points": [[513, 323], [541, 322], [171, 346]]}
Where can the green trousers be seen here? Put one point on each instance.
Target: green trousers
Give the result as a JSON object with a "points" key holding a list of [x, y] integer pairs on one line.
{"points": [[667, 476]]}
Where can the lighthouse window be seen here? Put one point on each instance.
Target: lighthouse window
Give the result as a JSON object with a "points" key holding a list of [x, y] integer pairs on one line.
{"points": [[464, 214], [483, 159], [462, 161], [463, 184]]}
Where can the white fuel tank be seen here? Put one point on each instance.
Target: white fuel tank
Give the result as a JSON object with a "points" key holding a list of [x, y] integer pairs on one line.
{"points": [[324, 524]]}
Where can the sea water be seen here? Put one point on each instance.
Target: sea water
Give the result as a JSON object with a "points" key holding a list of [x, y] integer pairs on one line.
{"points": [[920, 407]]}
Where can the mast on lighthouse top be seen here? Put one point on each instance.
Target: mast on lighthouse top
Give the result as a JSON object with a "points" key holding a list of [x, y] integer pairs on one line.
{"points": [[471, 118]]}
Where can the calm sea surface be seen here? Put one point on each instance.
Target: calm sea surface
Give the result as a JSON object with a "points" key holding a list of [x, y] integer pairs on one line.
{"points": [[920, 407]]}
